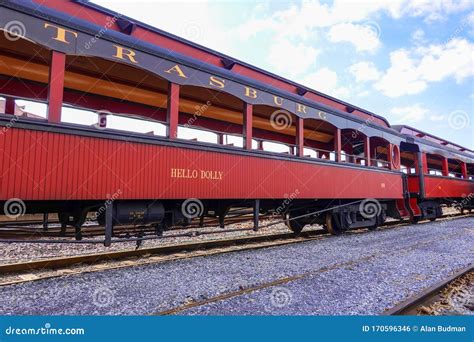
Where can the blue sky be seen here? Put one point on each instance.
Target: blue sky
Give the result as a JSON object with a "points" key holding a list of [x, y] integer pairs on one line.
{"points": [[409, 61]]}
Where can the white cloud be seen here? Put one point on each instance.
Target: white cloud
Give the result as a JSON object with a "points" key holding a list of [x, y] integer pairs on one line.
{"points": [[301, 20], [291, 59], [411, 70], [418, 36], [437, 117], [290, 46], [195, 22], [409, 114], [436, 10], [363, 93], [364, 71], [470, 18], [325, 80], [413, 114], [363, 37], [452, 59], [401, 78]]}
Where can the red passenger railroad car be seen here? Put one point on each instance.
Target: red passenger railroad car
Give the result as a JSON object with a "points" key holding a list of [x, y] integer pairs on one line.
{"points": [[338, 165]]}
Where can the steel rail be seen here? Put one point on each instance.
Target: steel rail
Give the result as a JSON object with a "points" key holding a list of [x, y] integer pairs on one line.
{"points": [[97, 230], [213, 246], [56, 263], [427, 296]]}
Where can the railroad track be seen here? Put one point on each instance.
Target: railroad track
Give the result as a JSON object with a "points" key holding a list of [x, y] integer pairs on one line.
{"points": [[28, 232], [25, 230], [412, 305], [279, 282], [55, 267], [26, 271]]}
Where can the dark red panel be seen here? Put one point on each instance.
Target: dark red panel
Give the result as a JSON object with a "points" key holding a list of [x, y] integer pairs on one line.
{"points": [[300, 136], [56, 86], [437, 187], [64, 167], [337, 144], [247, 132], [9, 105], [413, 184], [172, 115]]}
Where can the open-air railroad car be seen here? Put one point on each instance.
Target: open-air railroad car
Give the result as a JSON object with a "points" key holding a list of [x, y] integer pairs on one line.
{"points": [[338, 165]]}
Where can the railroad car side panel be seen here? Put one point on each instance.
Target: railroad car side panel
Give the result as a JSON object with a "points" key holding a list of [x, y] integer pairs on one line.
{"points": [[437, 187], [56, 166]]}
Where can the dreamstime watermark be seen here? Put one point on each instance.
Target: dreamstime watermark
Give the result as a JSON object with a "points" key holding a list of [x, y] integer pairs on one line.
{"points": [[109, 23], [10, 124], [103, 208], [281, 119], [103, 297], [373, 28], [14, 30], [192, 30], [465, 202], [281, 297], [14, 208], [459, 29], [286, 203], [360, 130], [102, 116], [192, 208], [370, 208], [199, 111], [46, 330], [458, 120]]}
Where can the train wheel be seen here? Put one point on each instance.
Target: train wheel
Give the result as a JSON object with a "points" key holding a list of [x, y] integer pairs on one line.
{"points": [[297, 225], [415, 219], [332, 225]]}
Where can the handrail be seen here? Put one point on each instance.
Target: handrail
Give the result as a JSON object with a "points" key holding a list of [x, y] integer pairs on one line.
{"points": [[434, 172], [407, 170], [451, 174], [321, 153], [384, 163], [352, 158], [455, 174]]}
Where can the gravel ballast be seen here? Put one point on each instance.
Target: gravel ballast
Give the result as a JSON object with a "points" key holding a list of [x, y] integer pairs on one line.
{"points": [[21, 252], [356, 273]]}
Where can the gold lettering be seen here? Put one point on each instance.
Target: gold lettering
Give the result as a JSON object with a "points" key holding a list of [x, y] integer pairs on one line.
{"points": [[60, 33], [301, 108], [178, 70], [216, 82], [211, 174], [322, 115], [122, 52], [250, 92], [197, 174], [278, 100]]}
